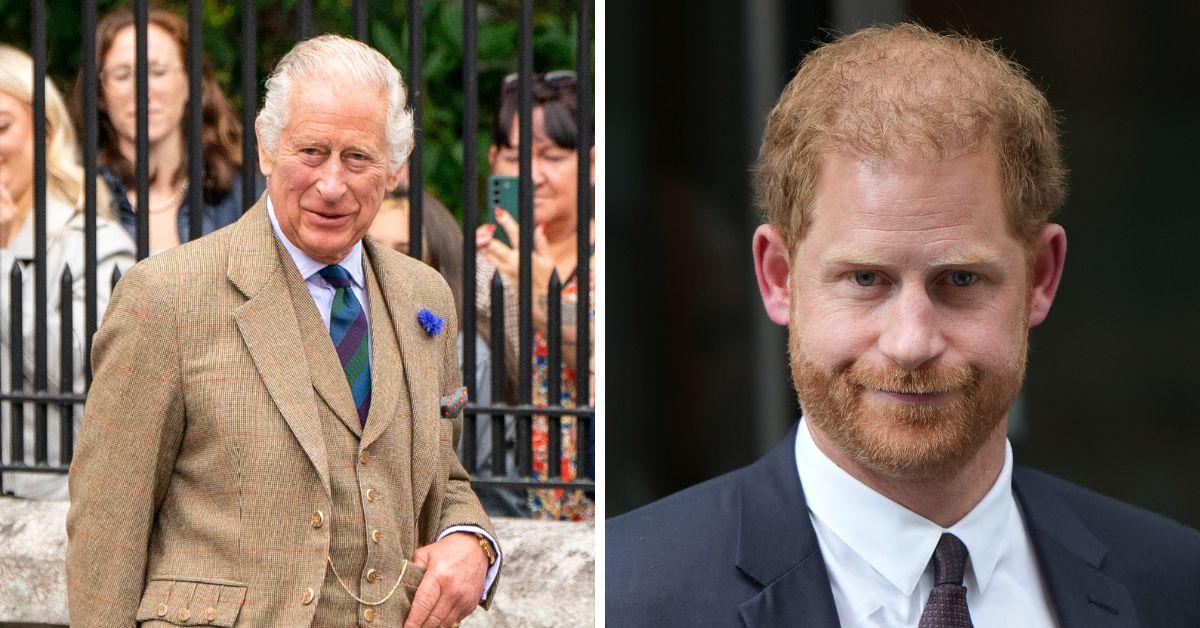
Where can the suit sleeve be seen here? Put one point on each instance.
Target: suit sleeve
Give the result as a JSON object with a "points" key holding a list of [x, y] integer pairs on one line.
{"points": [[461, 507], [132, 427]]}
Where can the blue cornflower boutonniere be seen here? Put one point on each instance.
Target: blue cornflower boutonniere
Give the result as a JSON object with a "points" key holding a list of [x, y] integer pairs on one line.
{"points": [[431, 322]]}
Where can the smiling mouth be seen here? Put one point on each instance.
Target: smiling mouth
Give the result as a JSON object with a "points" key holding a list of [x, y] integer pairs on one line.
{"points": [[914, 397], [150, 114], [327, 220]]}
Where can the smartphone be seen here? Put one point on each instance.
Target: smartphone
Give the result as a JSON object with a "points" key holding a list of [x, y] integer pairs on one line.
{"points": [[502, 192]]}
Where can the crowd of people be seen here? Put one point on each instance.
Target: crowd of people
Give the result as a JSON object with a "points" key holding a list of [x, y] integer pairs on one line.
{"points": [[555, 176]]}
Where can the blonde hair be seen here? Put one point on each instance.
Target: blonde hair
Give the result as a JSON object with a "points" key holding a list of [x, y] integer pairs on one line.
{"points": [[64, 174], [329, 60], [904, 91]]}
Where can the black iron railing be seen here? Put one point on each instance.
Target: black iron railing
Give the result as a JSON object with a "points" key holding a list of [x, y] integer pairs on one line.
{"points": [[509, 439]]}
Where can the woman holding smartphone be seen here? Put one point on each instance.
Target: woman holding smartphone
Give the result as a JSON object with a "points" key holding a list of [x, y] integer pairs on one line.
{"points": [[555, 174]]}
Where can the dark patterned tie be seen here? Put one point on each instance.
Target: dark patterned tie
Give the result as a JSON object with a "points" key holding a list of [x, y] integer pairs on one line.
{"points": [[348, 329], [947, 604]]}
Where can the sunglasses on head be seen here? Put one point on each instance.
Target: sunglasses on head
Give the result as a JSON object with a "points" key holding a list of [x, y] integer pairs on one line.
{"points": [[557, 78]]}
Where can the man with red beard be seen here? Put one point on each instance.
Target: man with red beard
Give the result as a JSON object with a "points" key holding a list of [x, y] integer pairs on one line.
{"points": [[907, 179]]}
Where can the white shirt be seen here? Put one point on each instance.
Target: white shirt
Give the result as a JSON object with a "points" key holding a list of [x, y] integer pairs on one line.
{"points": [[879, 554], [322, 293]]}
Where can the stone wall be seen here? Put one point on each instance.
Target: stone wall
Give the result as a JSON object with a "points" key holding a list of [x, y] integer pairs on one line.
{"points": [[548, 578]]}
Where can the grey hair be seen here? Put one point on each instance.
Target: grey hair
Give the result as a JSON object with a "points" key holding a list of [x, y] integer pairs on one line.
{"points": [[337, 60]]}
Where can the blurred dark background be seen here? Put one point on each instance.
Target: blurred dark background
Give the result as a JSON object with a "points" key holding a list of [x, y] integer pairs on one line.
{"points": [[698, 381]]}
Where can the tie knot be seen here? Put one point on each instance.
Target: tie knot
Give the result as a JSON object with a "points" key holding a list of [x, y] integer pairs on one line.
{"points": [[336, 276], [949, 560]]}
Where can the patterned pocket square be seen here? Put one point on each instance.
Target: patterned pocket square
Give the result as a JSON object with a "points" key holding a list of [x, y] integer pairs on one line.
{"points": [[453, 403]]}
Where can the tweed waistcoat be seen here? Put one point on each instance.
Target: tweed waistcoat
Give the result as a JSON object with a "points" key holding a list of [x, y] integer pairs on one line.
{"points": [[372, 528]]}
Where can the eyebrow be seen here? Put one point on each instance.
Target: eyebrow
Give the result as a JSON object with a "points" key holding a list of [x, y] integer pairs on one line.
{"points": [[971, 257], [853, 257], [153, 61], [977, 256], [302, 140]]}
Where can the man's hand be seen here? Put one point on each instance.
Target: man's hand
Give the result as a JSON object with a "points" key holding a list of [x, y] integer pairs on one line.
{"points": [[455, 570]]}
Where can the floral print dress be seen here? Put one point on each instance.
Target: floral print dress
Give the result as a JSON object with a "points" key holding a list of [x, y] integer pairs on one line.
{"points": [[557, 503], [547, 503]]}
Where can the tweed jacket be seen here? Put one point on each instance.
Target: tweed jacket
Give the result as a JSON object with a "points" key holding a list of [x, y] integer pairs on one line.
{"points": [[204, 485]]}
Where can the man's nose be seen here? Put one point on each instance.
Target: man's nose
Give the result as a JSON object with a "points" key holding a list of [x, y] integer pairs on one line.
{"points": [[911, 333], [331, 180]]}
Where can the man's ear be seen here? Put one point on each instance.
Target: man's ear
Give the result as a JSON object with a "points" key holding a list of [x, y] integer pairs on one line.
{"points": [[772, 266], [1049, 255], [266, 161], [492, 152]]}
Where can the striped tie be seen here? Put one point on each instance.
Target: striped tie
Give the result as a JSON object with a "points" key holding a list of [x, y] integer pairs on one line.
{"points": [[348, 328]]}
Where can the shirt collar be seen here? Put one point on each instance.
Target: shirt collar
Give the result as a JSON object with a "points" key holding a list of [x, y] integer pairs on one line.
{"points": [[895, 541], [309, 266]]}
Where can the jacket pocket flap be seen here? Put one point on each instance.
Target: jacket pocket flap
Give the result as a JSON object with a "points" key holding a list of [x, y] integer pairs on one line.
{"points": [[192, 601]]}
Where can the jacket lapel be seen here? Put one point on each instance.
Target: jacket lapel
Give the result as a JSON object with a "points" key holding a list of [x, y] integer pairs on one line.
{"points": [[387, 369], [328, 377], [418, 362], [1070, 557], [267, 322], [777, 546]]}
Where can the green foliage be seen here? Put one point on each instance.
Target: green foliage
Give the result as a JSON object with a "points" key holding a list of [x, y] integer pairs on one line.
{"points": [[555, 24]]}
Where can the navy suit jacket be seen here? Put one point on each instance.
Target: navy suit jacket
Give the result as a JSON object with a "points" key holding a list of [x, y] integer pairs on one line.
{"points": [[740, 550]]}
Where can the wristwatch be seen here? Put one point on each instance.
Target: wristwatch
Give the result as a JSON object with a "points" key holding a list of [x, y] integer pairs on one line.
{"points": [[487, 548]]}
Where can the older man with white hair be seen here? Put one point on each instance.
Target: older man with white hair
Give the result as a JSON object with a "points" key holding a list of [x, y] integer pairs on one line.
{"points": [[269, 438]]}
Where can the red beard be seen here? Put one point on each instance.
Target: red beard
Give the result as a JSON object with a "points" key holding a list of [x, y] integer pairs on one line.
{"points": [[907, 441]]}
